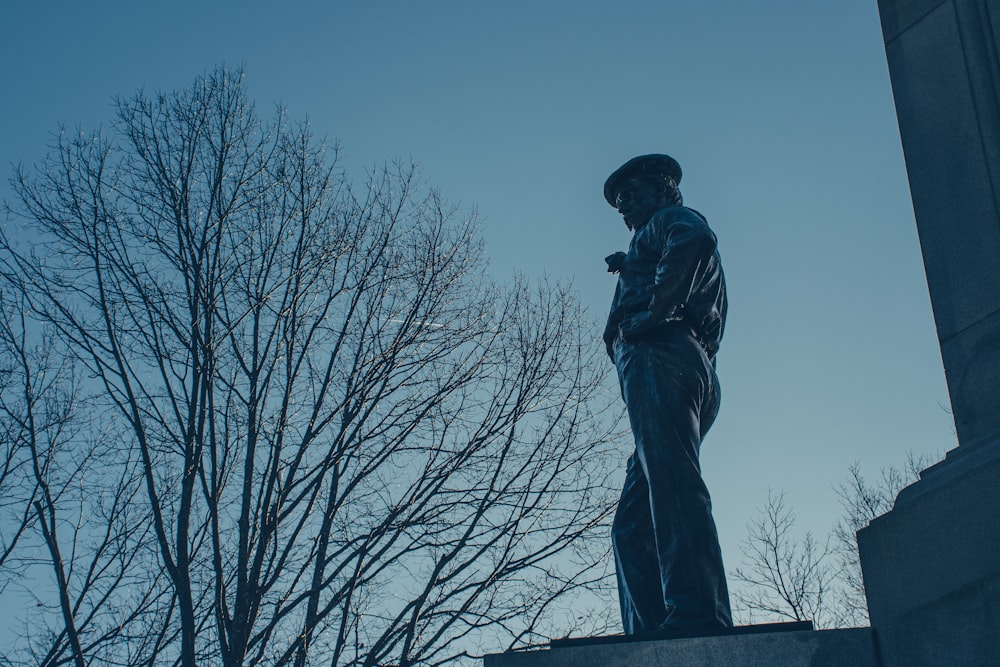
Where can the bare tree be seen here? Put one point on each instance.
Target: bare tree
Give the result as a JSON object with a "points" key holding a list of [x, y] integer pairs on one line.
{"points": [[863, 501], [784, 576], [789, 576], [315, 430]]}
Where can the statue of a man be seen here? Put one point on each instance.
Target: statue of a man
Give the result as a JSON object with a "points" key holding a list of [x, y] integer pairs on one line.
{"points": [[666, 322]]}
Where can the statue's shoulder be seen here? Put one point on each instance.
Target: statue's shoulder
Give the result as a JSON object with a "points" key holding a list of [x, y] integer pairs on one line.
{"points": [[672, 216]]}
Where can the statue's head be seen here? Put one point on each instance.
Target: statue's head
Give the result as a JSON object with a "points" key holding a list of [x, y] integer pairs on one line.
{"points": [[642, 186]]}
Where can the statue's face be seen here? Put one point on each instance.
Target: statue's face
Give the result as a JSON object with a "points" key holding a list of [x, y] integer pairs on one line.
{"points": [[637, 199]]}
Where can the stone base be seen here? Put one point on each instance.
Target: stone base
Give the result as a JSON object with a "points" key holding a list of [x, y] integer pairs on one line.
{"points": [[932, 566], [810, 648]]}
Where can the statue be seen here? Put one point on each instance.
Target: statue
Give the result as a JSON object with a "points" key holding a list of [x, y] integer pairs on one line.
{"points": [[666, 322]]}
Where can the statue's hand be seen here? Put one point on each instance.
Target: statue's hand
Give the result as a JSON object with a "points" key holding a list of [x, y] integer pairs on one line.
{"points": [[665, 311], [633, 328], [616, 262]]}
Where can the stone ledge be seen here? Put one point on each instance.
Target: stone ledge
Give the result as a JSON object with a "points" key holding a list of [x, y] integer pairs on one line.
{"points": [[852, 647]]}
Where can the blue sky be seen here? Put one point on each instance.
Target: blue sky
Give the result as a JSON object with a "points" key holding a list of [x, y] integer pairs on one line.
{"points": [[780, 112]]}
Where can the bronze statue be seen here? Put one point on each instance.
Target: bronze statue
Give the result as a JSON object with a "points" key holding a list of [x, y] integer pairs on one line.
{"points": [[666, 322]]}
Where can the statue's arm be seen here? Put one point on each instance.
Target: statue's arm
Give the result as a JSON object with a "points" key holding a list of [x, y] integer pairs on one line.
{"points": [[687, 246]]}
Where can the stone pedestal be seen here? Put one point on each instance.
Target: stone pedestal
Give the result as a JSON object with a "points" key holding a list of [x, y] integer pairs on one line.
{"points": [[823, 648], [932, 565]]}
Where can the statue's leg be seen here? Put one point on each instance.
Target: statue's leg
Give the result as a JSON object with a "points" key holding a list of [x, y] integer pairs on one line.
{"points": [[671, 392], [636, 563]]}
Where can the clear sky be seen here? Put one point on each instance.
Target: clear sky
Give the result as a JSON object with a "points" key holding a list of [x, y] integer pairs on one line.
{"points": [[780, 112]]}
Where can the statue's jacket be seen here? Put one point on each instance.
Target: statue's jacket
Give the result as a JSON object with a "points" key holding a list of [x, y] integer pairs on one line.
{"points": [[675, 257]]}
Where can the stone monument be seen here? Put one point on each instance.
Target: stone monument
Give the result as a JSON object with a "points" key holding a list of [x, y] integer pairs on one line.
{"points": [[932, 565]]}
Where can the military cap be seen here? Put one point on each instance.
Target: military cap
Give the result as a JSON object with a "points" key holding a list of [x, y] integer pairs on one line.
{"points": [[655, 164]]}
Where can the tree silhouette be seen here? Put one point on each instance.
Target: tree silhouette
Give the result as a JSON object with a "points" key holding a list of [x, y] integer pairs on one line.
{"points": [[255, 413], [787, 575]]}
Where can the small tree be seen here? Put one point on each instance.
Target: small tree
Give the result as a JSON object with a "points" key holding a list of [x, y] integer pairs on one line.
{"points": [[259, 415], [792, 577], [864, 501], [784, 577]]}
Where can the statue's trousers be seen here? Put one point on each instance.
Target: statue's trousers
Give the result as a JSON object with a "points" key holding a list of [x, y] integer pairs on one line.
{"points": [[669, 564]]}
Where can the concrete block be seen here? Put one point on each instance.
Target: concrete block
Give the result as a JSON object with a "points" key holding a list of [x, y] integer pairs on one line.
{"points": [[956, 629]]}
